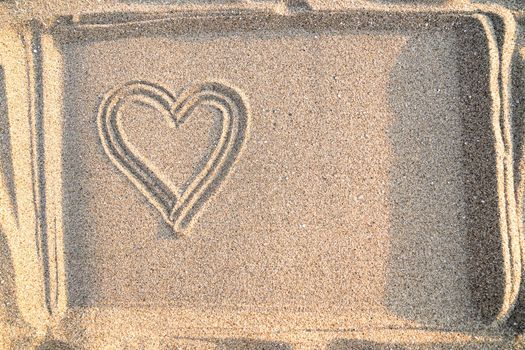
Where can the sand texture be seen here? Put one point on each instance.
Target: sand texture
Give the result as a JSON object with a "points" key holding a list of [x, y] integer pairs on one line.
{"points": [[261, 175]]}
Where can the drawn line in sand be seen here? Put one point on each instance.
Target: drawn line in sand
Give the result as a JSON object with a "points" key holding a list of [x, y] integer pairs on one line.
{"points": [[177, 209]]}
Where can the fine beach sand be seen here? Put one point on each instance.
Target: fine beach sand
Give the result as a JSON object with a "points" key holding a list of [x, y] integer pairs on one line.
{"points": [[359, 191]]}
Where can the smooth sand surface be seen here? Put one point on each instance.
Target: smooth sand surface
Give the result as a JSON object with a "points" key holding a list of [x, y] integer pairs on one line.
{"points": [[348, 194]]}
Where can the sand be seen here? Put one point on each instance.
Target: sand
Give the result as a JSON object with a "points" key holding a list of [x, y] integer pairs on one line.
{"points": [[260, 178]]}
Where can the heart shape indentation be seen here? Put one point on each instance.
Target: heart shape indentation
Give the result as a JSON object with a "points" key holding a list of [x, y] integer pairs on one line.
{"points": [[177, 210]]}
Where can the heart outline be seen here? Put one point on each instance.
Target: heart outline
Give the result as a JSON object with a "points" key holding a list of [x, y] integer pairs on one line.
{"points": [[177, 211]]}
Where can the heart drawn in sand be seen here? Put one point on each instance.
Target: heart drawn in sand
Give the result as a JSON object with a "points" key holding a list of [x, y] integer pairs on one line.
{"points": [[177, 209]]}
